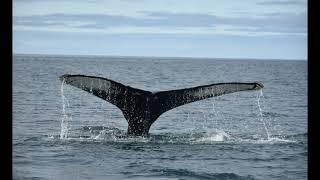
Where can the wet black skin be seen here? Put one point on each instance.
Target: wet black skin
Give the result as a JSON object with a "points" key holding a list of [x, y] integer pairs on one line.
{"points": [[142, 108]]}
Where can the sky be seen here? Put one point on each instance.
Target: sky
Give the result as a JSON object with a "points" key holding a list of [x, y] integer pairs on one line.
{"points": [[255, 29]]}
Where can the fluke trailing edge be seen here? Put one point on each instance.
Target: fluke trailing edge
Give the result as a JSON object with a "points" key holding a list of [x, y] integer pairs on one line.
{"points": [[142, 108]]}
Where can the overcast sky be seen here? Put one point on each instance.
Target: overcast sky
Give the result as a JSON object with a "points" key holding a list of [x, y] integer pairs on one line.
{"points": [[266, 29]]}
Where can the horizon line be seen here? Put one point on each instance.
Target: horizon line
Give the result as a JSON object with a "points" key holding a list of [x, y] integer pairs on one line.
{"points": [[161, 57]]}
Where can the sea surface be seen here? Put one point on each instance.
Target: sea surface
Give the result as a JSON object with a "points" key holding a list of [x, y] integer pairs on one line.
{"points": [[61, 132]]}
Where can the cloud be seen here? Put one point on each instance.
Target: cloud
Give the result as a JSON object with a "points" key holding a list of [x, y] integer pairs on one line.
{"points": [[133, 8], [219, 30], [115, 27], [162, 22], [102, 20], [283, 2]]}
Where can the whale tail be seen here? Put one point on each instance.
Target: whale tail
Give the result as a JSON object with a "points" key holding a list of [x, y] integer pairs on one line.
{"points": [[141, 108]]}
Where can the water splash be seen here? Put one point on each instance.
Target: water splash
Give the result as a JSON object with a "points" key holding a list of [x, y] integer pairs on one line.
{"points": [[261, 114], [65, 118], [100, 134], [212, 136]]}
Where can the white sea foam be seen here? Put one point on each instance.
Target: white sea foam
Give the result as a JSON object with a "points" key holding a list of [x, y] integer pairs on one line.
{"points": [[215, 136]]}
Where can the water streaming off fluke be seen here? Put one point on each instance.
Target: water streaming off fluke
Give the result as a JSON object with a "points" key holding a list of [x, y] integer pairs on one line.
{"points": [[66, 117], [260, 94]]}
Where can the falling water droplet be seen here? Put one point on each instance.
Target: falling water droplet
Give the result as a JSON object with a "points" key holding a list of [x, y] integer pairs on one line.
{"points": [[65, 118], [261, 114]]}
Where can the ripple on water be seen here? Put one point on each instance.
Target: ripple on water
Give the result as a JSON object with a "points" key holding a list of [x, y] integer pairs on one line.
{"points": [[184, 173], [114, 135]]}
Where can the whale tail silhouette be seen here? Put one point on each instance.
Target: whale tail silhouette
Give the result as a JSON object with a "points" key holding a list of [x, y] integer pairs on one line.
{"points": [[141, 108]]}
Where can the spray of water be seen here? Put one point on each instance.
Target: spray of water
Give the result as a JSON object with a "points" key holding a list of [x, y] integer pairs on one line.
{"points": [[65, 117], [216, 113], [205, 117], [261, 114]]}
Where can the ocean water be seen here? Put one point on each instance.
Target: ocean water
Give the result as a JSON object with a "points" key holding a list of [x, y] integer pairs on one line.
{"points": [[61, 132]]}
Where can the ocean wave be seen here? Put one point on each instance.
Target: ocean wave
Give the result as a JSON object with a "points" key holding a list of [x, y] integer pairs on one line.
{"points": [[270, 140], [184, 173], [274, 114]]}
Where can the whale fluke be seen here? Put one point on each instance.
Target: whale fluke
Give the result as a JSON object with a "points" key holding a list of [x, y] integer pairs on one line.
{"points": [[141, 108]]}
